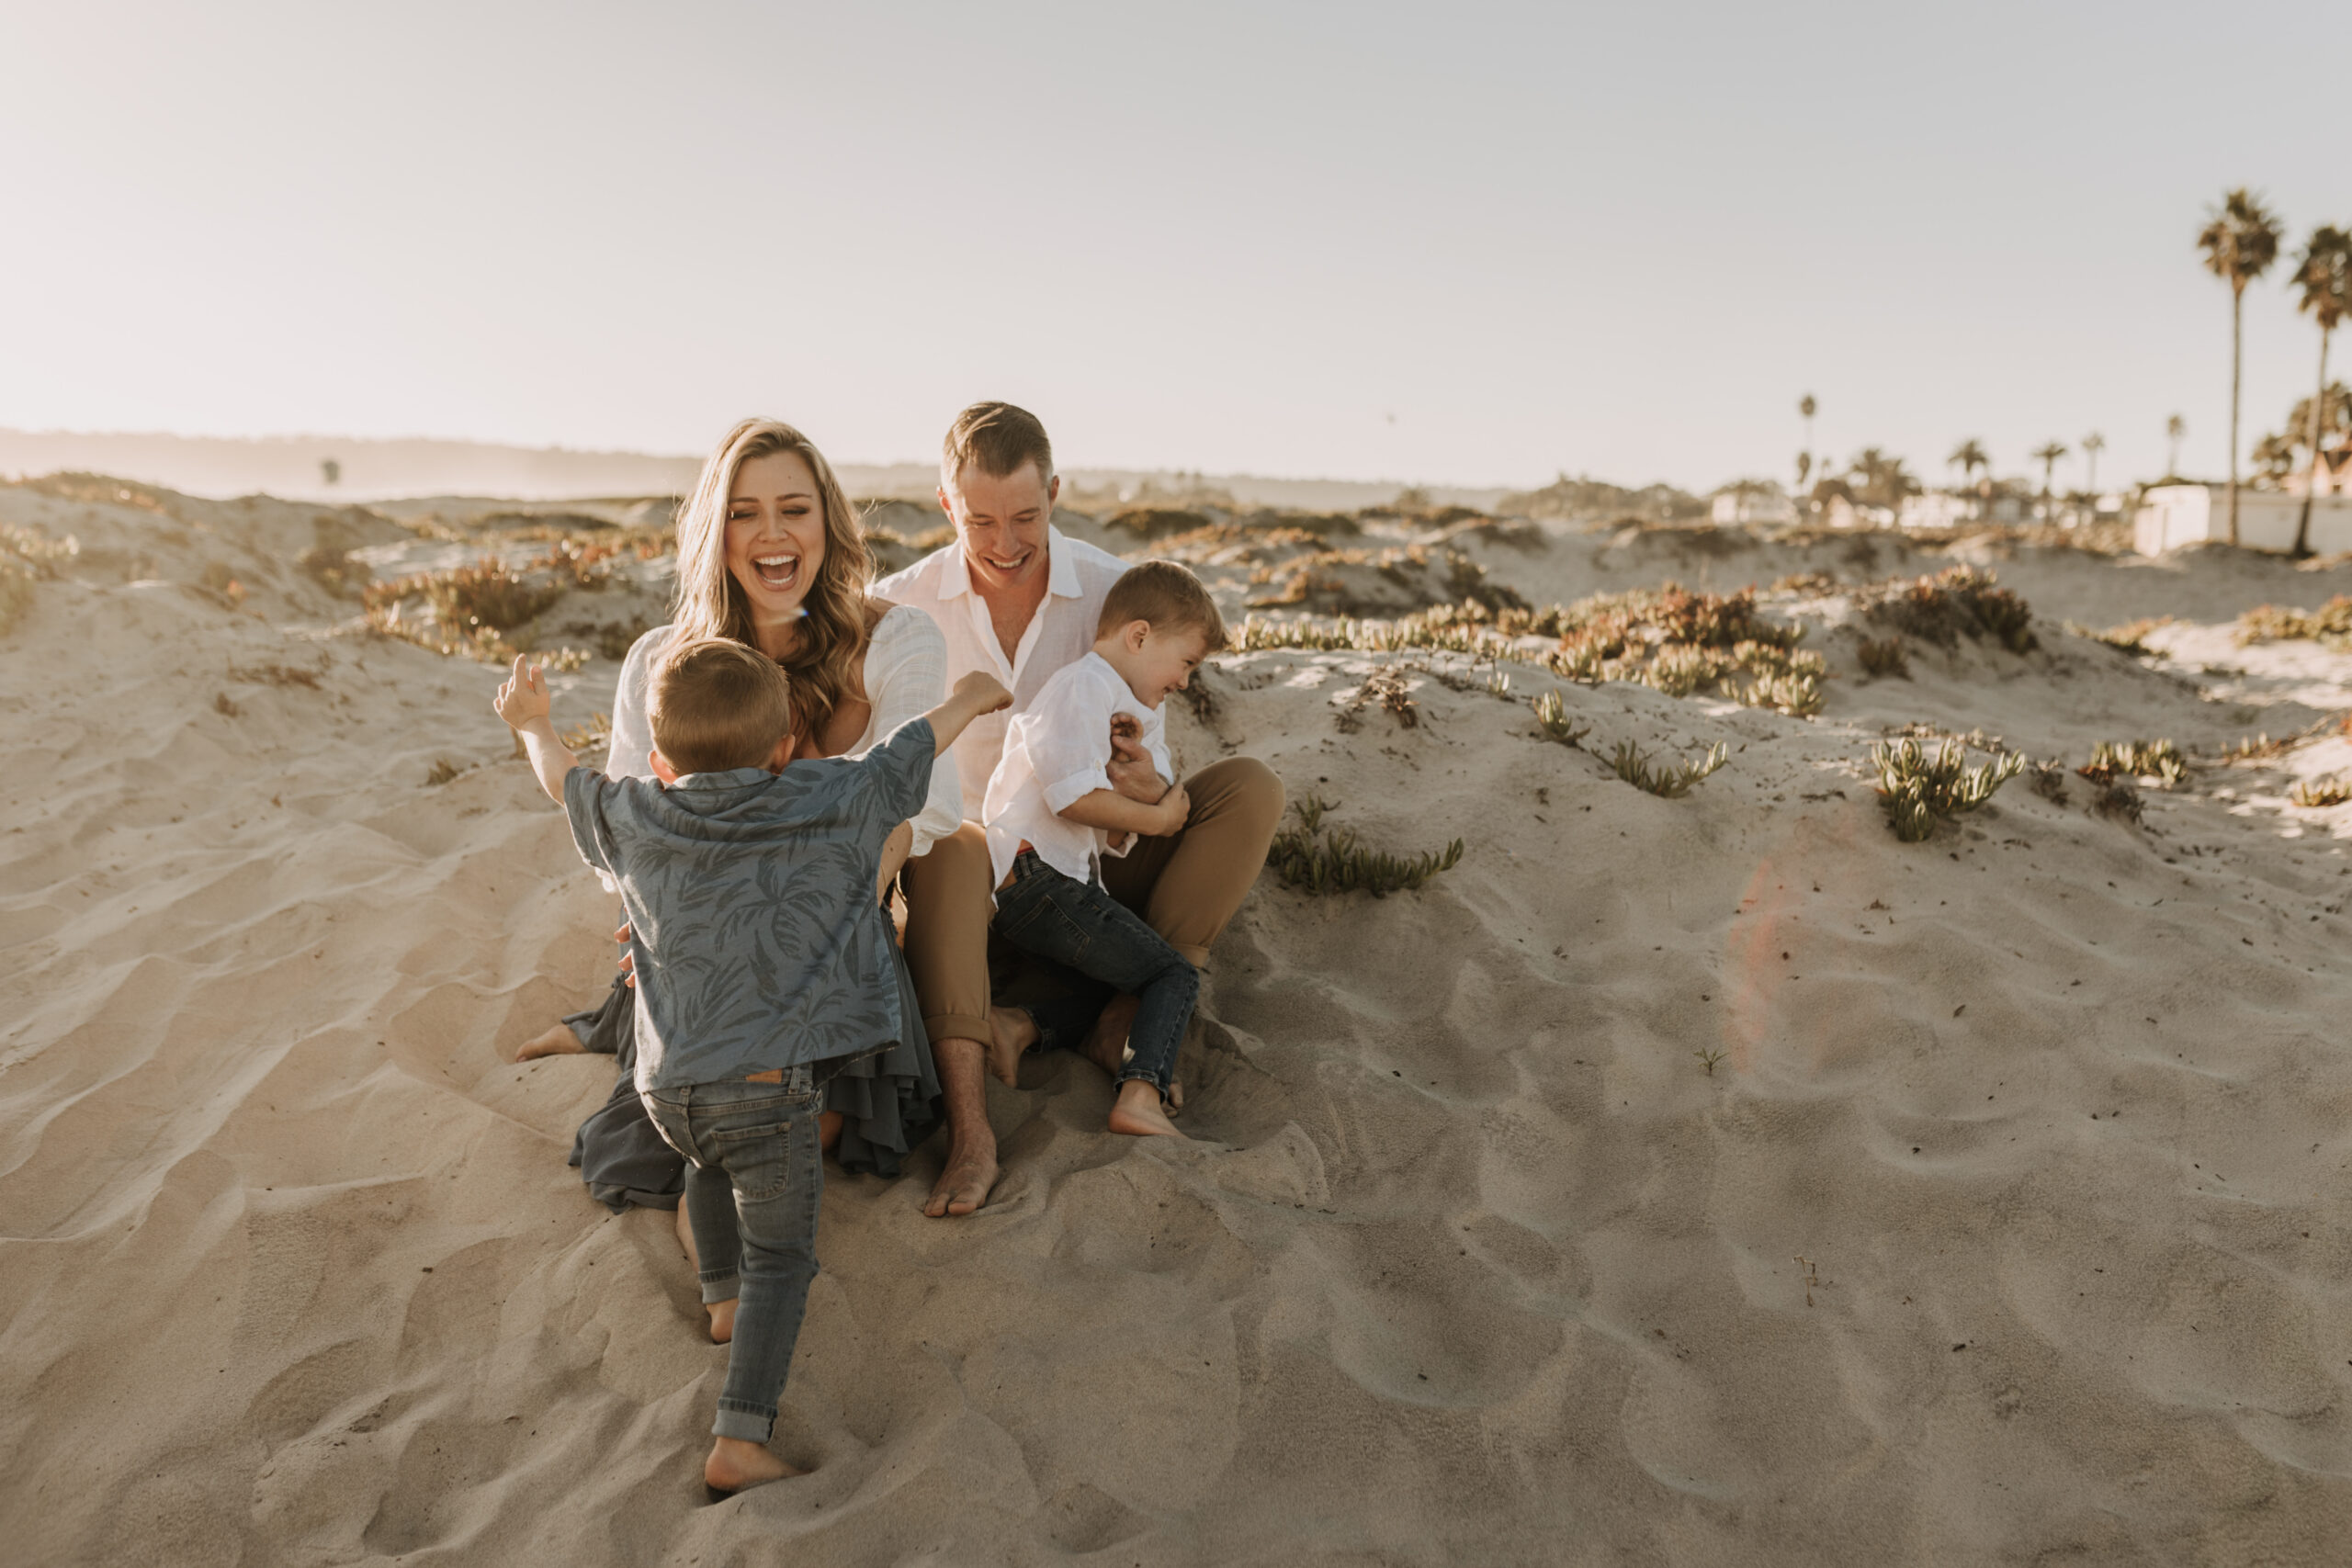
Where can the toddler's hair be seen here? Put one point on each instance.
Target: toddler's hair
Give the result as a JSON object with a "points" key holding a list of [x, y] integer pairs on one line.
{"points": [[1166, 596], [717, 704]]}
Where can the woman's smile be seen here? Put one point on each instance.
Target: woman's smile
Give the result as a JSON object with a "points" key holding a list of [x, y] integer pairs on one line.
{"points": [[776, 533]]}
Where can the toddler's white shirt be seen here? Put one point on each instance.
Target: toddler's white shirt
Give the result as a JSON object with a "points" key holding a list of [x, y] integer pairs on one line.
{"points": [[1058, 750]]}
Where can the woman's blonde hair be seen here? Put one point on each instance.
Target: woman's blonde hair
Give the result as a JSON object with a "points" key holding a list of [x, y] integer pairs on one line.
{"points": [[823, 663]]}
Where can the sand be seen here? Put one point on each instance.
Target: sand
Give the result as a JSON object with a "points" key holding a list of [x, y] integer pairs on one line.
{"points": [[2005, 1223]]}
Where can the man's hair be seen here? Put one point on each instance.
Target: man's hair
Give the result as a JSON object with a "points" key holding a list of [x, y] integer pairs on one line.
{"points": [[1166, 596], [996, 438], [718, 705]]}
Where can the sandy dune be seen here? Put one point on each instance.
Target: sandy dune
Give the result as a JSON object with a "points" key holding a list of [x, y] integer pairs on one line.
{"points": [[2007, 1227]]}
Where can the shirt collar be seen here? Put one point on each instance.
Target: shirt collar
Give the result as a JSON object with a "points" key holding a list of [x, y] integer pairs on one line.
{"points": [[1061, 569]]}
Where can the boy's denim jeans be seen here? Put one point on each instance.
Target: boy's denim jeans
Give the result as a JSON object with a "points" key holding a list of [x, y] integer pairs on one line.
{"points": [[1076, 923], [753, 1176]]}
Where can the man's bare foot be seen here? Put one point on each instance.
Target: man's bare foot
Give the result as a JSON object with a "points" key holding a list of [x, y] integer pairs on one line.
{"points": [[965, 1185], [734, 1465], [722, 1320], [1014, 1031], [1137, 1112], [556, 1041], [1107, 1044]]}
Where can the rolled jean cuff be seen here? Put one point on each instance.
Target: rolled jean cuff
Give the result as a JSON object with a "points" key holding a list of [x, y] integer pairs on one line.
{"points": [[957, 1026], [1129, 1072], [724, 1286], [747, 1423]]}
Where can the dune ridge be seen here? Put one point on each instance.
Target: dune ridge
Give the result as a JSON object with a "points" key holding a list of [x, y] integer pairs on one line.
{"points": [[2005, 1224]]}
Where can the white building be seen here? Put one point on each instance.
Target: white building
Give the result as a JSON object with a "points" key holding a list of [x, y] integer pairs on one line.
{"points": [[2174, 515], [1738, 505]]}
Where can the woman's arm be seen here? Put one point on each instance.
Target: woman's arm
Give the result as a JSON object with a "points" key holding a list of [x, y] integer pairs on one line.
{"points": [[906, 676], [629, 755]]}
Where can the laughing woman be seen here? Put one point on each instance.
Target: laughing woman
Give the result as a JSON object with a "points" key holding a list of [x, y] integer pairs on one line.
{"points": [[769, 554]]}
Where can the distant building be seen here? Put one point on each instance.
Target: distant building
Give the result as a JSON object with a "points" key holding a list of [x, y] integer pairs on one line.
{"points": [[2174, 515], [2335, 476], [1750, 502], [1938, 511]]}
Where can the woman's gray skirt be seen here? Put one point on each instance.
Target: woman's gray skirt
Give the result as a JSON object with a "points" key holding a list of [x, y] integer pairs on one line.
{"points": [[888, 1100]]}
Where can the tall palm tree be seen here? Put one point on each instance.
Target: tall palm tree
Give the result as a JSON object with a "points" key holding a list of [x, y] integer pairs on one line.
{"points": [[2240, 241], [2047, 455], [2175, 428], [1805, 406], [2324, 274], [1969, 457], [2092, 444]]}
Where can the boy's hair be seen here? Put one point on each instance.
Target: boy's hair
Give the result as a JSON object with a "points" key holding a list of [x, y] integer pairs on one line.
{"points": [[717, 704], [996, 438], [1166, 595]]}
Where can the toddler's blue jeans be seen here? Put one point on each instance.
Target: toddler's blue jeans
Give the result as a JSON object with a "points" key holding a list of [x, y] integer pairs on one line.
{"points": [[753, 1175], [1042, 911]]}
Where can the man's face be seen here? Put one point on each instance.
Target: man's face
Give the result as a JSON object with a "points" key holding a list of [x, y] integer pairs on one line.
{"points": [[1002, 524]]}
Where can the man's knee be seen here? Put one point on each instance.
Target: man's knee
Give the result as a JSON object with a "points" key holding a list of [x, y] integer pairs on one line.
{"points": [[959, 859], [1240, 788]]}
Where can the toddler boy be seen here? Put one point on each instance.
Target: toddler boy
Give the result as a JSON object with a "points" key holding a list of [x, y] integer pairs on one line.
{"points": [[761, 964], [1051, 815]]}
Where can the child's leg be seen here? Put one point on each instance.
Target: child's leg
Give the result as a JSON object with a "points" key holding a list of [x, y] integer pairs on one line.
{"points": [[709, 1208], [1077, 924], [768, 1146]]}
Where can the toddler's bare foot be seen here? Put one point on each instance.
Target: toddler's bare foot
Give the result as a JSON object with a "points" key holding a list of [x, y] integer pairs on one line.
{"points": [[734, 1465], [556, 1041], [1137, 1112], [1106, 1046], [722, 1320], [1011, 1031]]}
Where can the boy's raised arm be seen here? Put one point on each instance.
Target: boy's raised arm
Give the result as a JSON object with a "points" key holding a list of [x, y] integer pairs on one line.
{"points": [[524, 703], [975, 694]]}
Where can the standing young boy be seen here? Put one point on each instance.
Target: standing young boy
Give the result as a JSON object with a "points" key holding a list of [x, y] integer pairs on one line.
{"points": [[1052, 816], [763, 965]]}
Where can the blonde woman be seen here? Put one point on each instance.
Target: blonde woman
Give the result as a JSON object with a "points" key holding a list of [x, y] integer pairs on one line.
{"points": [[770, 555]]}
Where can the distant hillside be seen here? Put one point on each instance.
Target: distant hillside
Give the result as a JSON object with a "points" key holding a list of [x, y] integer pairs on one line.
{"points": [[291, 467], [1584, 500]]}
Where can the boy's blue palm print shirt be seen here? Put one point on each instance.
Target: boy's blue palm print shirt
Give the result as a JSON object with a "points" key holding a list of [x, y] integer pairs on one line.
{"points": [[757, 938]]}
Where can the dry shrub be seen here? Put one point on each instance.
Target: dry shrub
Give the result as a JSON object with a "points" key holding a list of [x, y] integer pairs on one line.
{"points": [[1156, 522], [2134, 759], [1919, 791], [466, 601], [2319, 793], [1958, 600], [1321, 860], [2329, 626], [2130, 638], [1405, 578], [279, 675], [1882, 657]]}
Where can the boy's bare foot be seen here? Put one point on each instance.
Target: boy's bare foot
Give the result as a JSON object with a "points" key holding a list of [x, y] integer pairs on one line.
{"points": [[1137, 1112], [1014, 1032], [1107, 1044], [556, 1041], [966, 1182], [735, 1464], [722, 1320]]}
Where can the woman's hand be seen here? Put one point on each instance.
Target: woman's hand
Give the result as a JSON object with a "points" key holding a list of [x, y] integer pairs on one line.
{"points": [[629, 959]]}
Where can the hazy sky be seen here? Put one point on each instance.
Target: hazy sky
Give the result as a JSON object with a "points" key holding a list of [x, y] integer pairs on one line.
{"points": [[1459, 243]]}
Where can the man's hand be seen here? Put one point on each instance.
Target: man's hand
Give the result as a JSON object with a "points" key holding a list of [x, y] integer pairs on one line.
{"points": [[523, 698], [1130, 769], [629, 959]]}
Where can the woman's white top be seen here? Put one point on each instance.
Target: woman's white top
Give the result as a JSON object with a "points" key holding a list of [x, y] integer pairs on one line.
{"points": [[906, 677], [1058, 750]]}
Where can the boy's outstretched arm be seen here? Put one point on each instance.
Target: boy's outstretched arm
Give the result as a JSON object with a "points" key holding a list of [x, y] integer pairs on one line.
{"points": [[975, 694], [524, 703]]}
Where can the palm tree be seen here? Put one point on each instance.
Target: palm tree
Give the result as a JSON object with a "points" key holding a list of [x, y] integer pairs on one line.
{"points": [[2325, 276], [2175, 428], [2092, 444], [2047, 455], [1805, 406], [1969, 457], [2240, 241]]}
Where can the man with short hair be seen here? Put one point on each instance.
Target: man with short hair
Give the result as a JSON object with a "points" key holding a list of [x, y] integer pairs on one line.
{"points": [[1018, 599]]}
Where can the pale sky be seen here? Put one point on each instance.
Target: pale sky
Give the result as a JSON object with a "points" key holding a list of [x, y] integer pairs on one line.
{"points": [[1462, 244]]}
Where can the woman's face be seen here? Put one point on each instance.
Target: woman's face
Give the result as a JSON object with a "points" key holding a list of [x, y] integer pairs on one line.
{"points": [[776, 533]]}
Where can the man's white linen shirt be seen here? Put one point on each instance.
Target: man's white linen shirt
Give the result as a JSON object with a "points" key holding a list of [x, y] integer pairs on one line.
{"points": [[1058, 750], [1079, 578]]}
